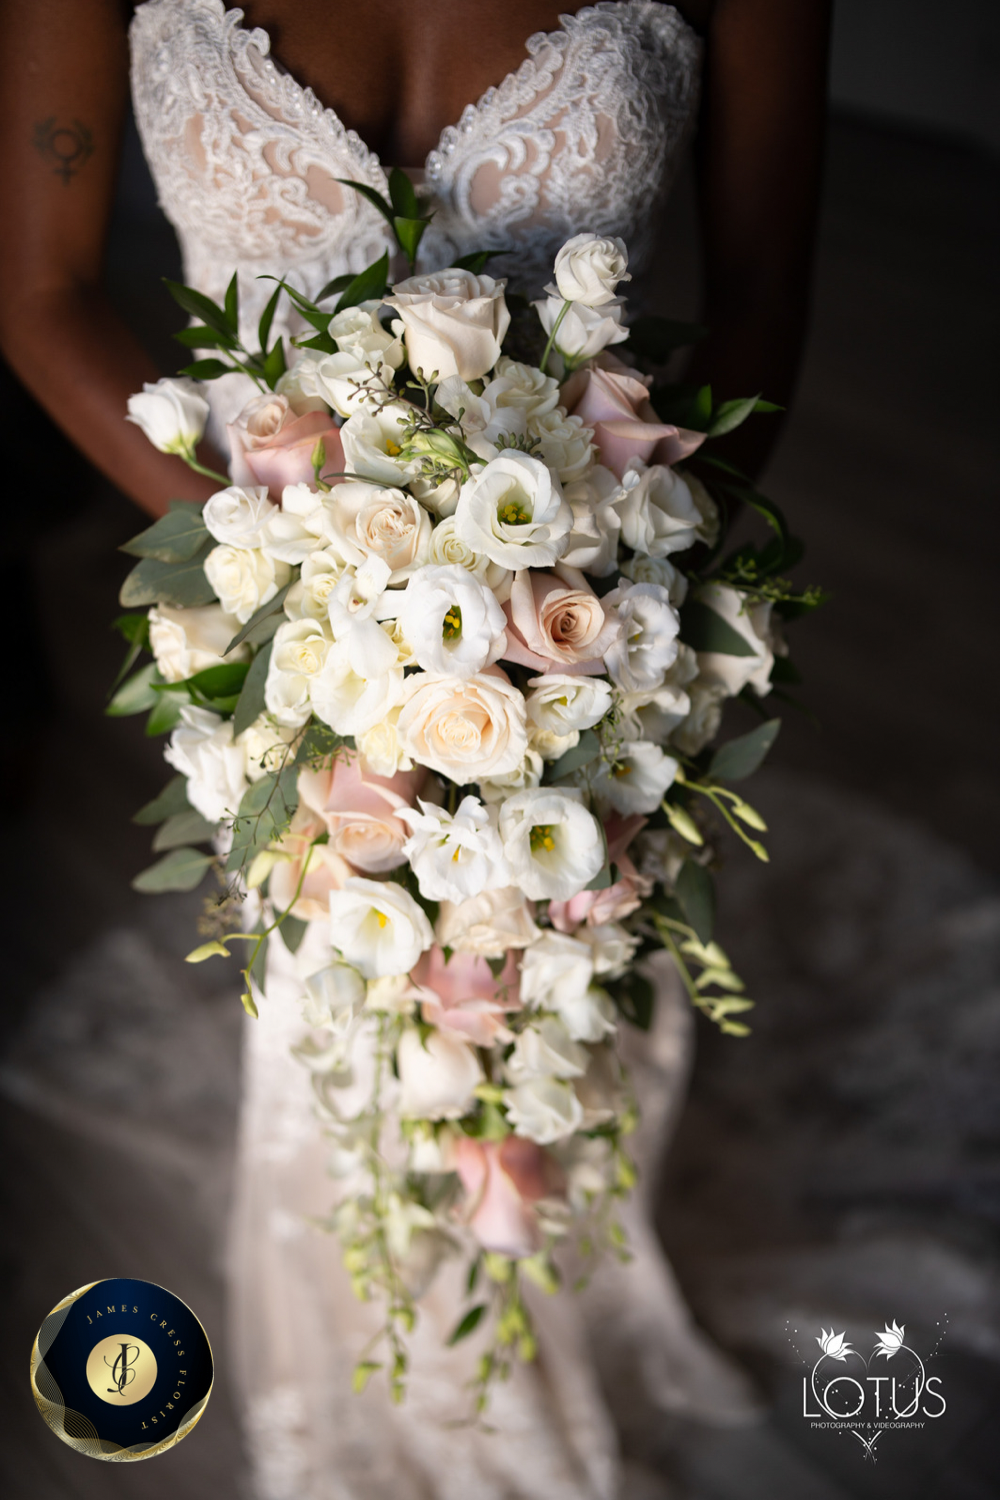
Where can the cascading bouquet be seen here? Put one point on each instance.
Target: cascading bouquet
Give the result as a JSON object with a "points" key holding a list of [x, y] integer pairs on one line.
{"points": [[440, 695]]}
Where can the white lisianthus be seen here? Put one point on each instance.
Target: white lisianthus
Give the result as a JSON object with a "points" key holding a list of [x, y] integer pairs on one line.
{"points": [[264, 743], [637, 782], [483, 420], [513, 512], [438, 1075], [647, 645], [655, 713], [297, 528], [563, 704], [704, 716], [565, 443], [751, 622], [545, 1049], [453, 322], [244, 579], [452, 621], [454, 856], [186, 641], [360, 681], [640, 569], [448, 549], [593, 540], [708, 531], [487, 925], [612, 948], [378, 927], [239, 516], [659, 515], [527, 773], [382, 748], [172, 414], [297, 656], [543, 1110], [370, 520], [553, 845], [203, 750], [583, 331], [372, 442], [465, 728], [556, 971], [589, 267], [365, 351], [309, 595]]}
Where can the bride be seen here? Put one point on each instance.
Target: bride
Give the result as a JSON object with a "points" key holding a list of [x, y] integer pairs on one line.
{"points": [[530, 126]]}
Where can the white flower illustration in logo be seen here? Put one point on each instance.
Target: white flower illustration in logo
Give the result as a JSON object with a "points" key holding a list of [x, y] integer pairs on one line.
{"points": [[891, 1341], [834, 1344]]}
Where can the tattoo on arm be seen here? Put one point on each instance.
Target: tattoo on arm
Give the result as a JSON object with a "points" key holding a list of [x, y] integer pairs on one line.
{"points": [[67, 147]]}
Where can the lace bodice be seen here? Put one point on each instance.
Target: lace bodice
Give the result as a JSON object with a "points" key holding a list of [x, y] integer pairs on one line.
{"points": [[585, 134]]}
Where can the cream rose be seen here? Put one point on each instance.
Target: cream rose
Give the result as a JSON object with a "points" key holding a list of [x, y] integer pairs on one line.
{"points": [[465, 728], [299, 651], [447, 548], [565, 443], [239, 516], [186, 641], [522, 388], [487, 925], [309, 596], [453, 322], [589, 267], [370, 520], [202, 749], [437, 1075], [513, 512], [244, 579]]}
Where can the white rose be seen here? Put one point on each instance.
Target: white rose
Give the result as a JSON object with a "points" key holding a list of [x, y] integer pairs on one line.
{"points": [[708, 531], [452, 621], [555, 971], [382, 748], [309, 596], [238, 516], [447, 548], [551, 746], [654, 713], [369, 520], [553, 845], [637, 782], [583, 331], [488, 924], [484, 421], [297, 527], [454, 323], [244, 579], [647, 645], [522, 388], [514, 513], [378, 927], [640, 569], [545, 1049], [563, 704], [301, 387], [465, 728], [704, 717], [658, 514], [366, 355], [454, 855], [359, 331], [753, 623], [299, 651], [565, 443], [186, 641], [372, 443], [360, 681], [593, 540], [172, 414], [202, 749], [589, 267], [612, 948], [543, 1110], [438, 1076], [527, 773], [264, 743]]}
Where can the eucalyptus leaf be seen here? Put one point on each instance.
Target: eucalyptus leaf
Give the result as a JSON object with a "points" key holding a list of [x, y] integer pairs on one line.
{"points": [[218, 682], [183, 585], [166, 804], [180, 870], [601, 880], [174, 538], [587, 749], [467, 1324], [137, 694], [635, 998], [185, 827], [272, 607], [369, 285], [264, 813], [696, 894], [258, 968], [705, 630], [251, 700], [165, 714], [292, 932], [741, 757]]}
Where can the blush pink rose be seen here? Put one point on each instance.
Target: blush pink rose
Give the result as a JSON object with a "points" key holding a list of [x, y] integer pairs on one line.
{"points": [[617, 406], [306, 891], [556, 623], [269, 444], [503, 1180], [359, 810], [460, 994], [615, 901]]}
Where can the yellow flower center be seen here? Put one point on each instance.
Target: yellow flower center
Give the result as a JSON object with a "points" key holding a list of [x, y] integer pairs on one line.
{"points": [[513, 513], [541, 837], [393, 449], [452, 624], [382, 918], [622, 769]]}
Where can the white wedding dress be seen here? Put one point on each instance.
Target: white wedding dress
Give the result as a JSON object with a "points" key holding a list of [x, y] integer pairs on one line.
{"points": [[586, 134]]}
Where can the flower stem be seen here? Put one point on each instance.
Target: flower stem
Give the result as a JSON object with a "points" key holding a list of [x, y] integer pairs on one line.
{"points": [[551, 339], [198, 468]]}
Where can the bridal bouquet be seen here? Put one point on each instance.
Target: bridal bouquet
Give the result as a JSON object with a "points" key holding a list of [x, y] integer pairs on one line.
{"points": [[441, 663]]}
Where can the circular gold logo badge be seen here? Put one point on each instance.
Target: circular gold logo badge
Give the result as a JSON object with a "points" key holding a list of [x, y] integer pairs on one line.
{"points": [[121, 1370]]}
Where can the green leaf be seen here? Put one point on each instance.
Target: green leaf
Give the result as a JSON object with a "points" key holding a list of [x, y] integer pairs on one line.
{"points": [[583, 752], [740, 758], [656, 338], [174, 538], [135, 629], [205, 338], [402, 195], [183, 585], [232, 303], [732, 414], [186, 827], [264, 813], [292, 932], [635, 998], [180, 870], [258, 969], [274, 364], [165, 714], [766, 508], [137, 694], [409, 233], [321, 342], [308, 309], [475, 261], [251, 699], [172, 800], [333, 287], [467, 1324], [206, 369], [369, 285], [223, 681], [785, 670], [318, 743], [601, 880], [198, 305], [696, 894], [705, 630], [374, 198], [267, 318], [272, 607]]}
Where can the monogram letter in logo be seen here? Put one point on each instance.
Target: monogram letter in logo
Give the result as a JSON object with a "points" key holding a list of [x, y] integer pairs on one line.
{"points": [[123, 1369]]}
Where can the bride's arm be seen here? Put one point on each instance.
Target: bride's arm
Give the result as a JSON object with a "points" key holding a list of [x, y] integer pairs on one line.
{"points": [[760, 154], [63, 86]]}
